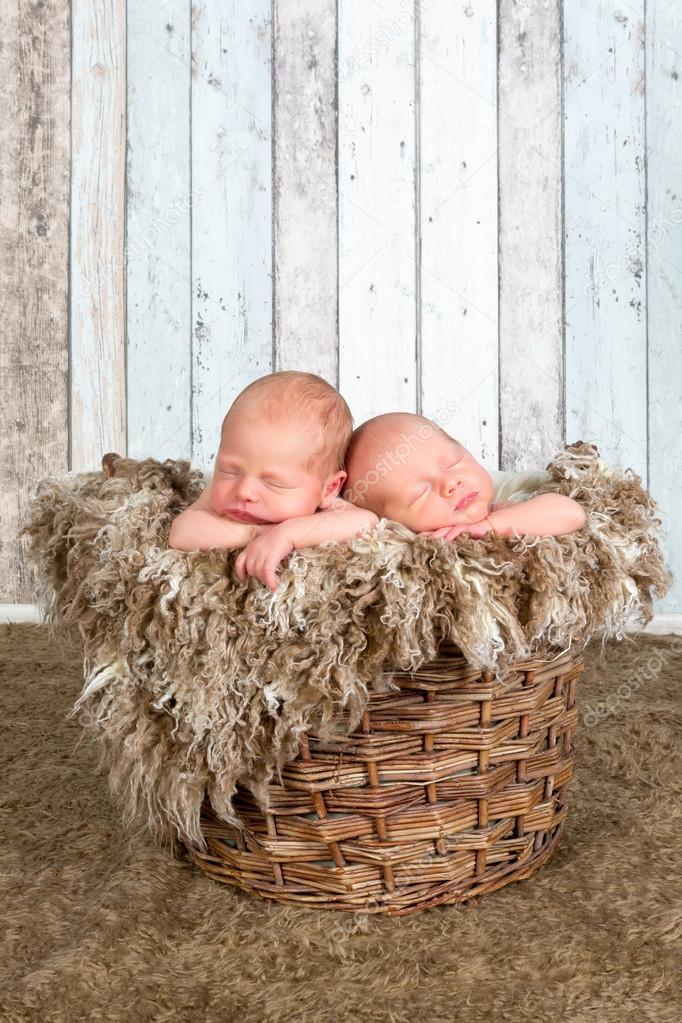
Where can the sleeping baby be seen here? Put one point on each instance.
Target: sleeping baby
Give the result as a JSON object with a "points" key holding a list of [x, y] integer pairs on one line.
{"points": [[277, 476], [407, 468]]}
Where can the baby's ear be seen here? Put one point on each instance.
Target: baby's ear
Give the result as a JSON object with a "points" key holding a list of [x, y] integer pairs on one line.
{"points": [[337, 481], [333, 486]]}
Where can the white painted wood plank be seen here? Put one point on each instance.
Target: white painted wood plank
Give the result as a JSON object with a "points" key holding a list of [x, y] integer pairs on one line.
{"points": [[97, 232], [664, 269], [158, 210], [305, 187], [458, 175], [605, 224], [232, 225], [377, 269], [531, 313]]}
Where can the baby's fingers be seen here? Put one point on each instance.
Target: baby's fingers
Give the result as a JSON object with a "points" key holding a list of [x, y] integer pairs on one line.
{"points": [[239, 565], [269, 573], [248, 565], [267, 576]]}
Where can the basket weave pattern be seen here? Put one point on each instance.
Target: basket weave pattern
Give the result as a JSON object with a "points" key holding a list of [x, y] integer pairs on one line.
{"points": [[454, 785]]}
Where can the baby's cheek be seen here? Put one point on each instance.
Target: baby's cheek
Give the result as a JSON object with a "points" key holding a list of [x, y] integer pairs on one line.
{"points": [[476, 511], [417, 519], [217, 499], [225, 497], [295, 504]]}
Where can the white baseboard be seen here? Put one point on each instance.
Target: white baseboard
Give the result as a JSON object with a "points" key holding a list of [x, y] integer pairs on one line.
{"points": [[665, 624], [18, 613], [660, 625]]}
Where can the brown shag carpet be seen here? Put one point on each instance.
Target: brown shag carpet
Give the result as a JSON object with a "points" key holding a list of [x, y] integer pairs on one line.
{"points": [[98, 925]]}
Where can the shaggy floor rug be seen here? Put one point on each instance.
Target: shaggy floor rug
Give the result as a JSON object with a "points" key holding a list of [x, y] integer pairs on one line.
{"points": [[98, 925]]}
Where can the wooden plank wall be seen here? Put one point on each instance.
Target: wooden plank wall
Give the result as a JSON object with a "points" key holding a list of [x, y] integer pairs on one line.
{"points": [[664, 272], [469, 210], [305, 264], [530, 265], [459, 221], [159, 202], [606, 274], [34, 261], [97, 232], [377, 153]]}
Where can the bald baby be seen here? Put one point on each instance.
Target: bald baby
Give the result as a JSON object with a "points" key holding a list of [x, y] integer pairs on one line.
{"points": [[408, 469]]}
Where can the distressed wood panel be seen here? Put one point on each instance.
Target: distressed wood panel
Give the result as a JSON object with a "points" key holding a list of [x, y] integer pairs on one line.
{"points": [[158, 210], [530, 240], [306, 309], [377, 155], [97, 231], [232, 221], [664, 271], [34, 182], [458, 222], [605, 227]]}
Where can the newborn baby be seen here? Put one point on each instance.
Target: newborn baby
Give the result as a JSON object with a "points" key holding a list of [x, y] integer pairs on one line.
{"points": [[406, 468], [277, 475]]}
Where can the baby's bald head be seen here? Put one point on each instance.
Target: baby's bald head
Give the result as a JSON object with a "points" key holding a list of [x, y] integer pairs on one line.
{"points": [[406, 468], [376, 448]]}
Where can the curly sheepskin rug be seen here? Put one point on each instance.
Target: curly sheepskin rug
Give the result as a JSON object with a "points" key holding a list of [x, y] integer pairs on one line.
{"points": [[195, 681]]}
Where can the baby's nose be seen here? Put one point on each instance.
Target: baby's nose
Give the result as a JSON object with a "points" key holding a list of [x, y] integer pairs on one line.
{"points": [[246, 488], [449, 486]]}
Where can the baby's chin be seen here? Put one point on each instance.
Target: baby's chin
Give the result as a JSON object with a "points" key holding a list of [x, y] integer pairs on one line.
{"points": [[475, 512]]}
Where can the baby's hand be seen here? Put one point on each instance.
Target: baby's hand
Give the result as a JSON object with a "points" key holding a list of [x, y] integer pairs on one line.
{"points": [[475, 529], [262, 555]]}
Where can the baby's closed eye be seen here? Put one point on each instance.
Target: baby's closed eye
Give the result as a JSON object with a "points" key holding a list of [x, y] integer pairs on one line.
{"points": [[419, 495]]}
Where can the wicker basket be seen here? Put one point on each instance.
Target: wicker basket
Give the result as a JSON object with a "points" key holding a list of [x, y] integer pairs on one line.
{"points": [[454, 786]]}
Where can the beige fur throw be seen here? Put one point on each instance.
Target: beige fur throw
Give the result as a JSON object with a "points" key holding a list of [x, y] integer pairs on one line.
{"points": [[195, 681]]}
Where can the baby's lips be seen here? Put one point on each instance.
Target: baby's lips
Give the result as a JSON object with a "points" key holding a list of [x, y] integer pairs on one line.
{"points": [[472, 495]]}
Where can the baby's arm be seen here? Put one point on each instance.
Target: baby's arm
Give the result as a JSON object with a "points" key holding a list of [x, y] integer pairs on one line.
{"points": [[263, 554], [342, 522], [198, 527], [544, 515]]}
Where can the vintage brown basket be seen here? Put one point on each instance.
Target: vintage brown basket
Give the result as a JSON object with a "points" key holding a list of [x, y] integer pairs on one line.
{"points": [[453, 786]]}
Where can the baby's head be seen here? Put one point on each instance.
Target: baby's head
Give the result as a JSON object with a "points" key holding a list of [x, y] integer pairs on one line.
{"points": [[408, 469], [281, 450]]}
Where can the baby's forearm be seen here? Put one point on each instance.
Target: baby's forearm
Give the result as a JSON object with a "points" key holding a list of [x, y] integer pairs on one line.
{"points": [[544, 515], [312, 530], [196, 529]]}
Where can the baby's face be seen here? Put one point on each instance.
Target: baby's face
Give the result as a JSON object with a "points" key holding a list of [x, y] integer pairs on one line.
{"points": [[260, 475], [434, 484]]}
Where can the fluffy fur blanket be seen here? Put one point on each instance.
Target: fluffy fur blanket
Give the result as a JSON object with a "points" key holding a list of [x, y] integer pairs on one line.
{"points": [[195, 681]]}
